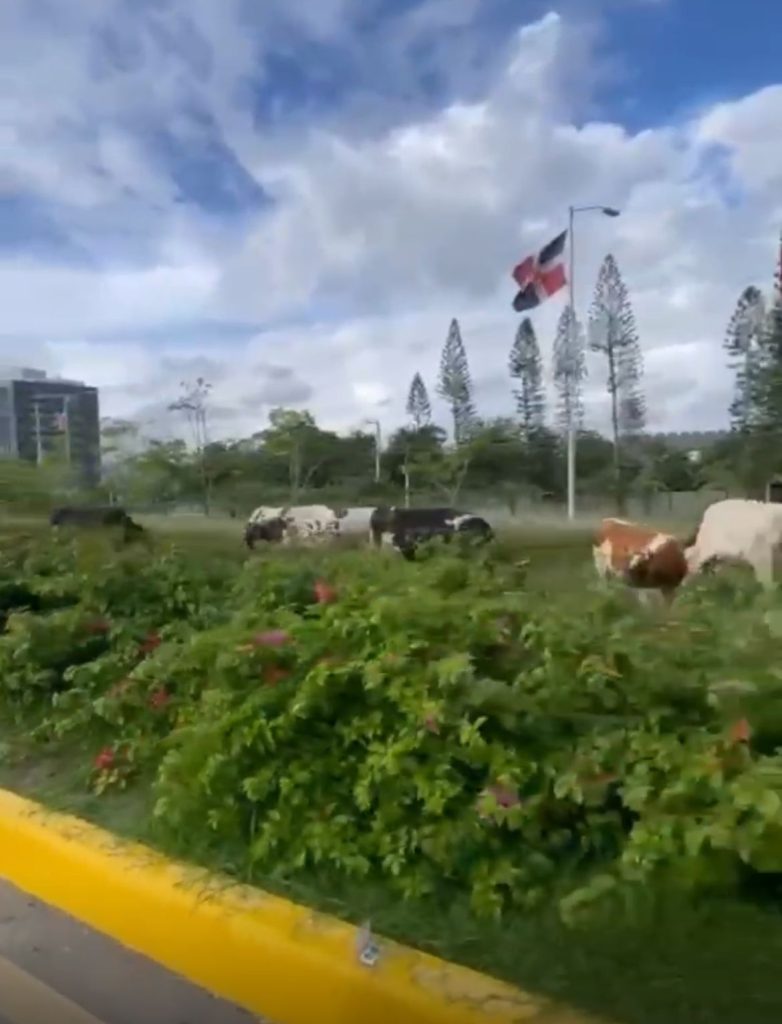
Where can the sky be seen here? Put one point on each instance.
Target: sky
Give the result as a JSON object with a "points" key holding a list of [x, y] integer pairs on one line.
{"points": [[293, 198]]}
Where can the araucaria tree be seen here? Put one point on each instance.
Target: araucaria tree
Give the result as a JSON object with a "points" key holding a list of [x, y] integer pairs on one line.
{"points": [[455, 386], [744, 345], [526, 370], [569, 371], [767, 389], [613, 334], [418, 406]]}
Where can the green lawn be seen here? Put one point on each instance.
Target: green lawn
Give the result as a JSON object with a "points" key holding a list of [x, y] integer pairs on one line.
{"points": [[676, 964]]}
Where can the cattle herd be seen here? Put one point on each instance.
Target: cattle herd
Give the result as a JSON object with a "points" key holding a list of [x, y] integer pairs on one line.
{"points": [[401, 528], [734, 531]]}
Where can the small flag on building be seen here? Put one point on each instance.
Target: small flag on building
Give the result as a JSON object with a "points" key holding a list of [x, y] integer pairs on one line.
{"points": [[540, 276], [61, 421]]}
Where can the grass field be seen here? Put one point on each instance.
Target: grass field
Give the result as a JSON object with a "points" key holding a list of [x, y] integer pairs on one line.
{"points": [[677, 961]]}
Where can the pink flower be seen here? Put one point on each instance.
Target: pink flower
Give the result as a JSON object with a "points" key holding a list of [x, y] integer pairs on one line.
{"points": [[271, 638], [105, 760], [159, 698]]}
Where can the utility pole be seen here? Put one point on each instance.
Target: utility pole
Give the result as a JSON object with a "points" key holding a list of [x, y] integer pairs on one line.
{"points": [[607, 211]]}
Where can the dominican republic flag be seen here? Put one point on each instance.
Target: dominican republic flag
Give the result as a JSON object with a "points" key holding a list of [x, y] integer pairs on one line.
{"points": [[540, 276]]}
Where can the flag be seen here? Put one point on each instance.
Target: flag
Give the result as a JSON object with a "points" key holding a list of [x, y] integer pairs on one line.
{"points": [[540, 276], [61, 421]]}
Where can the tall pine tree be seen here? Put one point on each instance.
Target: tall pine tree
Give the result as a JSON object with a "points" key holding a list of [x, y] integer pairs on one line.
{"points": [[768, 375], [744, 346], [569, 370], [526, 369], [613, 334], [455, 384], [418, 407]]}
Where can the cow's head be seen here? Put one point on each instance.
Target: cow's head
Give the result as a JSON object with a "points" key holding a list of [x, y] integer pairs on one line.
{"points": [[270, 530]]}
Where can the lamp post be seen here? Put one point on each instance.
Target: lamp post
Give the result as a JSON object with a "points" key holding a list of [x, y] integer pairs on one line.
{"points": [[607, 211]]}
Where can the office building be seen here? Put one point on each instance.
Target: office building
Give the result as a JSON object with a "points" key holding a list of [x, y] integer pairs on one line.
{"points": [[43, 416]]}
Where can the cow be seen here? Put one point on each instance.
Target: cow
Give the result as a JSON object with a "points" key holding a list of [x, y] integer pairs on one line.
{"points": [[290, 524], [738, 530], [91, 516], [642, 557], [405, 528]]}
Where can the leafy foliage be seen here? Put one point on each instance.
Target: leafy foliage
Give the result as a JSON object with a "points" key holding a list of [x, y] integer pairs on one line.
{"points": [[436, 726]]}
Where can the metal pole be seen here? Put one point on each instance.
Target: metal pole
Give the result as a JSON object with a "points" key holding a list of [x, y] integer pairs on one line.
{"points": [[571, 426]]}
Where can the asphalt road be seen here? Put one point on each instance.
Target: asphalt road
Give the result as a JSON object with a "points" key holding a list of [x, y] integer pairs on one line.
{"points": [[54, 970]]}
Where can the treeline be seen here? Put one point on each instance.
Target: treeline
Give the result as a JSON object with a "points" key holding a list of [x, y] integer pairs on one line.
{"points": [[507, 459]]}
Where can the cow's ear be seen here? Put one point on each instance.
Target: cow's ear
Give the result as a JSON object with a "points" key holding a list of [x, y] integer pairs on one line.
{"points": [[340, 513]]}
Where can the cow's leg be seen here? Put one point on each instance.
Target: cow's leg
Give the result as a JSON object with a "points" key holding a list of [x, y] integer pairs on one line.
{"points": [[601, 556], [762, 561]]}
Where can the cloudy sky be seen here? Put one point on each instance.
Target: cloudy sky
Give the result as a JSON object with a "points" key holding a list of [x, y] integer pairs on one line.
{"points": [[294, 197]]}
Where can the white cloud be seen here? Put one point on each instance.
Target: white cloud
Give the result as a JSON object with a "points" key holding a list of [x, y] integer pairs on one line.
{"points": [[417, 222]]}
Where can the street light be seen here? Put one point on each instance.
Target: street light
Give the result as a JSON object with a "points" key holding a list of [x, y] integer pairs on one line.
{"points": [[607, 211]]}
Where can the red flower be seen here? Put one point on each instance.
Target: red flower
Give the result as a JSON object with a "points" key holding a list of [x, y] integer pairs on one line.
{"points": [[105, 760], [273, 674], [149, 643], [271, 638], [159, 698], [740, 731], [97, 627], [504, 795], [324, 592]]}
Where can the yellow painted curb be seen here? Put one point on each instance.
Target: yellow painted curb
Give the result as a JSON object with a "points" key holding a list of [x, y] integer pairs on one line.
{"points": [[279, 960]]}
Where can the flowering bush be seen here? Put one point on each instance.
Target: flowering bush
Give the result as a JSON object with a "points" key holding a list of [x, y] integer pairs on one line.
{"points": [[434, 724]]}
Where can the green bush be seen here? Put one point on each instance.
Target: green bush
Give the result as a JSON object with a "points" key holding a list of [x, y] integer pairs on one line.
{"points": [[441, 725]]}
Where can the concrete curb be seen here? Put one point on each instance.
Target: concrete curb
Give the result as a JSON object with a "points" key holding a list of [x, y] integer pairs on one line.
{"points": [[287, 963]]}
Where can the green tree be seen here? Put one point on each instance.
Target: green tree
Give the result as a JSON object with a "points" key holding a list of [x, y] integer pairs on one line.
{"points": [[613, 334], [743, 345], [526, 369], [569, 370], [455, 384], [418, 407]]}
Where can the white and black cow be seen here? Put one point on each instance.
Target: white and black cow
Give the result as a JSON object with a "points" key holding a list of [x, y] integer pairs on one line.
{"points": [[289, 525], [406, 528]]}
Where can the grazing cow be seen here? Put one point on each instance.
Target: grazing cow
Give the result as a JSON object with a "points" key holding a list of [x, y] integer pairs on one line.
{"points": [[643, 558], [291, 524], [737, 530], [91, 516], [406, 528]]}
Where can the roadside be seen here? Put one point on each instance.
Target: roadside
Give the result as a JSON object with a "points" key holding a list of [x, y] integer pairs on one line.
{"points": [[52, 968]]}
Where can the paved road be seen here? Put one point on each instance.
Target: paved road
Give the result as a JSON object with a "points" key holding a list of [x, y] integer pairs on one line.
{"points": [[54, 970]]}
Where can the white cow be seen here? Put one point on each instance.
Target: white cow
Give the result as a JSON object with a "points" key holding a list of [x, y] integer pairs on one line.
{"points": [[355, 520], [739, 530], [291, 524]]}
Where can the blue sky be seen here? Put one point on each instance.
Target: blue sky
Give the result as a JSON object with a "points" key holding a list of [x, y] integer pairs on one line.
{"points": [[227, 173]]}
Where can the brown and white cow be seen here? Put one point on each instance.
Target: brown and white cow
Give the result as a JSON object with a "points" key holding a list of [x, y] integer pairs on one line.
{"points": [[642, 557]]}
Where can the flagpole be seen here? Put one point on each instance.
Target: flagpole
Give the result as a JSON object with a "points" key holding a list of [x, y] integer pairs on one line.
{"points": [[571, 427]]}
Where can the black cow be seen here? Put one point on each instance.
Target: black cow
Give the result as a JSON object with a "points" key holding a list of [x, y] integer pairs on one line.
{"points": [[91, 516], [271, 530], [406, 528]]}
